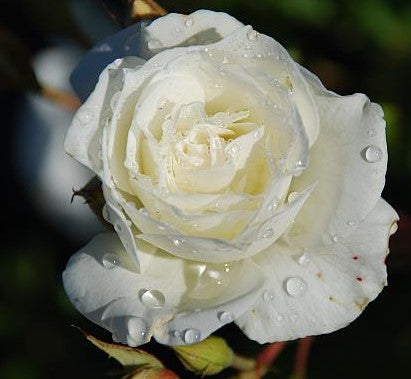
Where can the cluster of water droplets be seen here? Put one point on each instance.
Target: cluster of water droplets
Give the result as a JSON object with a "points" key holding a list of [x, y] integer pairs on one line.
{"points": [[110, 261]]}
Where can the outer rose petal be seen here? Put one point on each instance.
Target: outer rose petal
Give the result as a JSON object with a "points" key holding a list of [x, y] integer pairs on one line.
{"points": [[110, 297], [339, 280], [199, 28], [349, 185], [83, 138]]}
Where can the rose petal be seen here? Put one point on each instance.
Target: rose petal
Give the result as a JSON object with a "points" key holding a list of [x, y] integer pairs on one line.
{"points": [[349, 183], [83, 137], [249, 242], [199, 28], [326, 288], [111, 295]]}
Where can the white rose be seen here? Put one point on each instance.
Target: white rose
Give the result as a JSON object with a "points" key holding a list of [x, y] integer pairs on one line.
{"points": [[239, 187]]}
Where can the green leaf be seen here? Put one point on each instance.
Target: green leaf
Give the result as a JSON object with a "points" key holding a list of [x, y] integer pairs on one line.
{"points": [[208, 357], [127, 356]]}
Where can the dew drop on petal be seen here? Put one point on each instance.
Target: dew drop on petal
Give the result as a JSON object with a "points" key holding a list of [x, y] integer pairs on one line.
{"points": [[268, 233], [143, 211], [336, 238], [84, 116], [371, 132], [280, 317], [351, 223], [304, 259], [267, 296], [110, 261], [372, 154], [191, 336], [252, 34], [189, 22], [137, 329], [153, 44], [177, 241], [175, 333], [225, 317], [152, 298], [295, 286]]}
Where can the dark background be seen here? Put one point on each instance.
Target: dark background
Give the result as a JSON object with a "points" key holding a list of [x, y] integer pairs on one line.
{"points": [[352, 45]]}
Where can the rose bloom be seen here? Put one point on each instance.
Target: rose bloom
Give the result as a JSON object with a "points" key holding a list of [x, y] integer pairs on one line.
{"points": [[239, 189]]}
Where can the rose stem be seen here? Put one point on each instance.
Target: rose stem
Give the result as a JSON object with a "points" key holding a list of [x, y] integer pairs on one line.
{"points": [[301, 357]]}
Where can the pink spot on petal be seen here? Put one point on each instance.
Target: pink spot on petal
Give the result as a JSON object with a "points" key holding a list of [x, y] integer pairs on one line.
{"points": [[359, 278], [355, 257]]}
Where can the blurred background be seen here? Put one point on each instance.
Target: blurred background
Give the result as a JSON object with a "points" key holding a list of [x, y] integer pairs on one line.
{"points": [[352, 45]]}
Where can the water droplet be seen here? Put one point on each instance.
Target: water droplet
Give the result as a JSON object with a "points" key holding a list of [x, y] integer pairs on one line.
{"points": [[191, 336], [152, 298], [110, 261], [252, 34], [267, 296], [351, 223], [208, 279], [137, 330], [175, 333], [336, 238], [280, 317], [274, 205], [225, 317], [292, 196], [371, 132], [84, 116], [143, 211], [372, 154], [304, 259], [189, 22], [295, 286], [268, 233], [177, 241], [299, 166], [394, 228], [117, 227], [153, 44]]}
